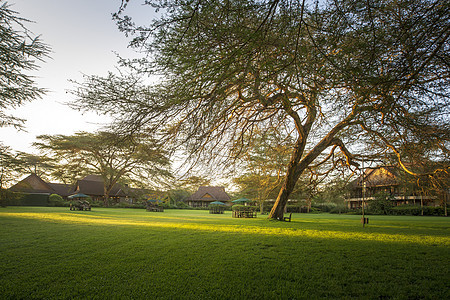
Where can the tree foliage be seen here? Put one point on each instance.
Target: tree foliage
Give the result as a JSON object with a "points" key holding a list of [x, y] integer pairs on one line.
{"points": [[136, 158], [192, 183], [41, 165], [341, 78], [15, 164], [10, 170], [10, 166], [20, 51], [263, 166]]}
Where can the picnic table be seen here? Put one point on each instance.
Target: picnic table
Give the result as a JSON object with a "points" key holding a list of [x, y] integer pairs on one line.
{"points": [[244, 214], [80, 205], [216, 209]]}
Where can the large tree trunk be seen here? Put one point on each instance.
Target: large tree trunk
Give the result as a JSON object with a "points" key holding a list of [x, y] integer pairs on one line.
{"points": [[299, 164], [277, 211], [105, 195], [291, 178]]}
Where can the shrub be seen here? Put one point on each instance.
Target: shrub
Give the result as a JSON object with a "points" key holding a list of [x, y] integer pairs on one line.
{"points": [[296, 209], [323, 207], [414, 210], [7, 197], [381, 204], [433, 211], [239, 207], [181, 204], [405, 210], [128, 205], [340, 209], [167, 205], [95, 203], [21, 199], [57, 200]]}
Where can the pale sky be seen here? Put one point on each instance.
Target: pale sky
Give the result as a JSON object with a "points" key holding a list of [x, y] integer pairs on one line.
{"points": [[83, 38]]}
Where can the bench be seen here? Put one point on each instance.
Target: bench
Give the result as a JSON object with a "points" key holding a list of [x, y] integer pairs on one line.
{"points": [[288, 219]]}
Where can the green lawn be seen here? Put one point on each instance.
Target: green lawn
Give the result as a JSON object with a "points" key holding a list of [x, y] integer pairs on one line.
{"points": [[182, 254]]}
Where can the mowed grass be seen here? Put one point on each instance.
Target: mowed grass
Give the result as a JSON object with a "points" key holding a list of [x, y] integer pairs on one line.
{"points": [[54, 253]]}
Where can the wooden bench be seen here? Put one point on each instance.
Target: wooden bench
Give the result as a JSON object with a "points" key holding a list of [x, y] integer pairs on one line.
{"points": [[288, 219]]}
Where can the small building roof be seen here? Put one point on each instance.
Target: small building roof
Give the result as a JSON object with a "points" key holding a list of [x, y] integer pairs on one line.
{"points": [[91, 185], [32, 184], [379, 176], [93, 178], [210, 193], [62, 189]]}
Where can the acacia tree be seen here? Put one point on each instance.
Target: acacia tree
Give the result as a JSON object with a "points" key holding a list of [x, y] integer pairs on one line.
{"points": [[38, 164], [336, 75], [14, 164], [20, 51], [138, 158]]}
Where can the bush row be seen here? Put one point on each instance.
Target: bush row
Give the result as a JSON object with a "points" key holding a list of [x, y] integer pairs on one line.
{"points": [[404, 210], [416, 210]]}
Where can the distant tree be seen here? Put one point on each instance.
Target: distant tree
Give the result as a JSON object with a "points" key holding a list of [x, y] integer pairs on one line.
{"points": [[192, 183], [138, 158], [9, 171], [263, 166], [182, 188], [20, 50], [381, 203], [333, 191], [177, 195], [10, 166], [344, 77], [40, 165], [258, 187]]}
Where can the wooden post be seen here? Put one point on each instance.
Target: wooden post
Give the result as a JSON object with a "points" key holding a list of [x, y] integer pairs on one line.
{"points": [[421, 203], [364, 220], [445, 202]]}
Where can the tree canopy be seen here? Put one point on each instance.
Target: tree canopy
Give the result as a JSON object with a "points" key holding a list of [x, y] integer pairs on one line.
{"points": [[9, 166], [135, 158], [20, 51], [342, 78]]}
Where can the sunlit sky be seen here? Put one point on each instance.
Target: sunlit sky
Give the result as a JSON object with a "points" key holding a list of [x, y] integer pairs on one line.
{"points": [[84, 39]]}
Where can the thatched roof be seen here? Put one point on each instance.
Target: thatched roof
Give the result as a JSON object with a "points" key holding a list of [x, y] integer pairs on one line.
{"points": [[380, 176], [62, 189], [93, 178], [32, 184], [210, 193], [92, 185]]}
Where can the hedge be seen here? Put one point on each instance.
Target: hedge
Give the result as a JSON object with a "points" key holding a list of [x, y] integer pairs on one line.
{"points": [[410, 210]]}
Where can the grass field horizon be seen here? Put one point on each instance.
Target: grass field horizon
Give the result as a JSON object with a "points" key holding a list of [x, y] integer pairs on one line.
{"points": [[190, 254]]}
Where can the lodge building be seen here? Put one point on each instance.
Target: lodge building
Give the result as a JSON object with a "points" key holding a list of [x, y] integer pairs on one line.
{"points": [[207, 194], [390, 180]]}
